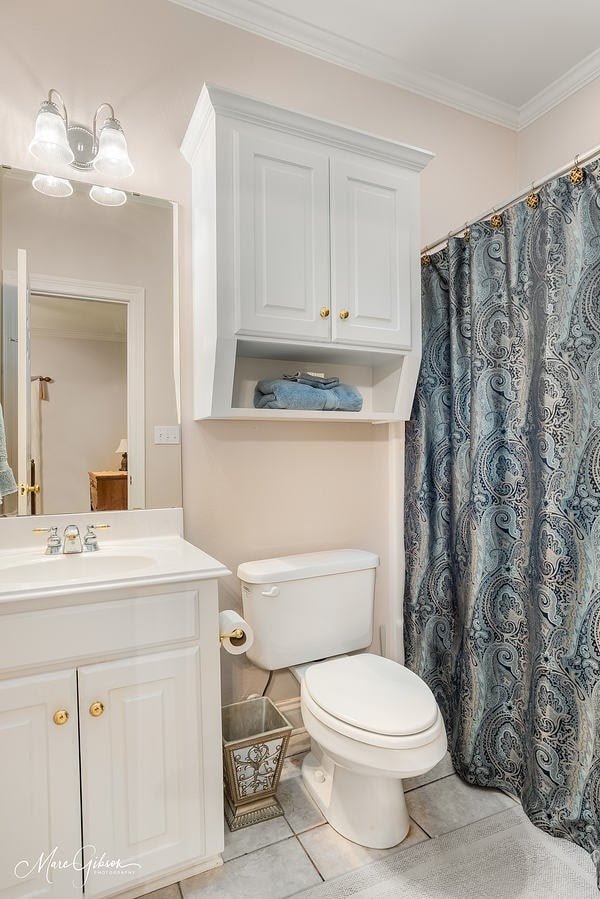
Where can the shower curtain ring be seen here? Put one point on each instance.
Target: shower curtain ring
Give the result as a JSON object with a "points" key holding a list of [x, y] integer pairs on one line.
{"points": [[533, 199]]}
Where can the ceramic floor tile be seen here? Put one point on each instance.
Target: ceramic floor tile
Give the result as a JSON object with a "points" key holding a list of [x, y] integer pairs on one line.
{"points": [[275, 872], [292, 766], [332, 855], [442, 769], [248, 839], [450, 803], [300, 811], [171, 892]]}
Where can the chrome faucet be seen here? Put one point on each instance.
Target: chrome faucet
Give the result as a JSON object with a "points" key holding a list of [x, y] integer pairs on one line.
{"points": [[90, 541], [54, 542], [71, 542], [72, 539]]}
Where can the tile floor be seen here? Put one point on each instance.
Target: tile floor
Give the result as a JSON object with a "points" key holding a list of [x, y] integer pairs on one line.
{"points": [[279, 858]]}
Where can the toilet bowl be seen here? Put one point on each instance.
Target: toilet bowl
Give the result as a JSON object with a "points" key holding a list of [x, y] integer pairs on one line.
{"points": [[371, 721]]}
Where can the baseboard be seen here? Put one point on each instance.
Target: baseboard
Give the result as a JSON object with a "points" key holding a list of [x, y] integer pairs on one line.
{"points": [[299, 739], [166, 880]]}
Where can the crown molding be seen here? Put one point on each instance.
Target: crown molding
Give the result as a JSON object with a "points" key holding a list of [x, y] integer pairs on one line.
{"points": [[214, 99], [561, 89], [256, 17], [266, 21]]}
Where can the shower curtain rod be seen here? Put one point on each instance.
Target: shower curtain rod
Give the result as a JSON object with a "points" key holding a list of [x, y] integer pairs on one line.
{"points": [[579, 160]]}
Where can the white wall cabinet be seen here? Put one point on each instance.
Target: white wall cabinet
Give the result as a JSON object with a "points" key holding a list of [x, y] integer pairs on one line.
{"points": [[305, 251], [283, 240], [130, 723], [372, 211]]}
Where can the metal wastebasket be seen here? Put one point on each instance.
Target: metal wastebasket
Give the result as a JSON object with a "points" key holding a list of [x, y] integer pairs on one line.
{"points": [[255, 739]]}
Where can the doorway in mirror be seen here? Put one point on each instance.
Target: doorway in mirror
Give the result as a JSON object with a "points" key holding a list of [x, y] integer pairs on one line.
{"points": [[79, 410]]}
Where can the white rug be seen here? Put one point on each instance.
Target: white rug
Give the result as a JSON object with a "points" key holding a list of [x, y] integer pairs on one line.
{"points": [[501, 857]]}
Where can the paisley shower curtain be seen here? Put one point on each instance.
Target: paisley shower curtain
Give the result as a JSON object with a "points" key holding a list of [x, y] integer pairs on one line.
{"points": [[502, 601]]}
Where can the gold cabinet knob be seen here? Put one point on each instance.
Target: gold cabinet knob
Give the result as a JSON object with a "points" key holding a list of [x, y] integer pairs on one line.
{"points": [[96, 709], [344, 314], [61, 716], [324, 313]]}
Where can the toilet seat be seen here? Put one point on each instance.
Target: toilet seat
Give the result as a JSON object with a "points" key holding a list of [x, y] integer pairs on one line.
{"points": [[372, 700]]}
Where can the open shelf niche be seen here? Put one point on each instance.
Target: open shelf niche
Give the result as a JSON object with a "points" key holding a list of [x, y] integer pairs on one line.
{"points": [[381, 377]]}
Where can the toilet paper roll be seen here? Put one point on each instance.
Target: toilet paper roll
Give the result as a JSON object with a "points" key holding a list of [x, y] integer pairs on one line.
{"points": [[230, 621]]}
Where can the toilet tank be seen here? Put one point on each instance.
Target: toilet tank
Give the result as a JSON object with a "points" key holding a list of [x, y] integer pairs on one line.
{"points": [[309, 606]]}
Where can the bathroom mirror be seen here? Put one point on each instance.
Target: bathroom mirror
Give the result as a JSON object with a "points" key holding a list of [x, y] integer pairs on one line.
{"points": [[88, 352]]}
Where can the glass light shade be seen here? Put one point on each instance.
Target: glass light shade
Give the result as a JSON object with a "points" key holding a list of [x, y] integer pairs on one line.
{"points": [[112, 157], [51, 186], [50, 143], [108, 196]]}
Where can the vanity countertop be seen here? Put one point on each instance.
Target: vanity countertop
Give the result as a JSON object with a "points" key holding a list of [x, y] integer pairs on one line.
{"points": [[29, 574], [143, 548]]}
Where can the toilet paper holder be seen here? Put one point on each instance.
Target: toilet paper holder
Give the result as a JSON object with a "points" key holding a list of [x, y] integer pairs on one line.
{"points": [[237, 634]]}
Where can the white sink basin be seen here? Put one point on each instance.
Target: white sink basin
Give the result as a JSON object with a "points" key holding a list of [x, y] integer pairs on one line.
{"points": [[71, 566], [27, 573]]}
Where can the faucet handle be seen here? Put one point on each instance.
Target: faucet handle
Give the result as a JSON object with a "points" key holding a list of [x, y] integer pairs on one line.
{"points": [[90, 541], [53, 543]]}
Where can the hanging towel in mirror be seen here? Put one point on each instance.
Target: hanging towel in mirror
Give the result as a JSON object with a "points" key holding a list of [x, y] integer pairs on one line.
{"points": [[7, 479]]}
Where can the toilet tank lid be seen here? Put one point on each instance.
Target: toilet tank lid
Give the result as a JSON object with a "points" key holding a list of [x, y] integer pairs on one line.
{"points": [[305, 565]]}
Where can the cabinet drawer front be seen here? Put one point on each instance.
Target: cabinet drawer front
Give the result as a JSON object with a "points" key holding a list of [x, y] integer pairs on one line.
{"points": [[30, 639]]}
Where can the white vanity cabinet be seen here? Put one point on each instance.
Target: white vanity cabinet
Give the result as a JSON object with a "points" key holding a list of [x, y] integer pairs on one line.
{"points": [[39, 785], [110, 771], [305, 252]]}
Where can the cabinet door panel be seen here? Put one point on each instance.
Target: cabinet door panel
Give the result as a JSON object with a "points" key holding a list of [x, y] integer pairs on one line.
{"points": [[141, 792], [283, 201], [39, 788], [371, 274]]}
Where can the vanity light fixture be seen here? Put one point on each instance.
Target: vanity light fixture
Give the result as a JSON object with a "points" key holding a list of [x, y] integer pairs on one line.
{"points": [[56, 140], [51, 186], [107, 196]]}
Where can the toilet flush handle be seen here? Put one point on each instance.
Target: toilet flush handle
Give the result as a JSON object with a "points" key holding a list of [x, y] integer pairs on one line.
{"points": [[272, 591]]}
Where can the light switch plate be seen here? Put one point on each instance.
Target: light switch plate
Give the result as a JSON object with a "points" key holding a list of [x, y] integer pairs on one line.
{"points": [[166, 434]]}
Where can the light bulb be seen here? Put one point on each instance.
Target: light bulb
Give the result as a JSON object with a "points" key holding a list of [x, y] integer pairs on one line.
{"points": [[51, 186], [107, 196], [50, 143], [112, 157]]}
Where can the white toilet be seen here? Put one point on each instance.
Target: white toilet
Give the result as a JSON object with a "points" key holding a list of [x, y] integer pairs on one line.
{"points": [[371, 721]]}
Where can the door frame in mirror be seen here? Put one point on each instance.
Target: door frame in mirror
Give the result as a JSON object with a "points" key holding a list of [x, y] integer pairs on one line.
{"points": [[134, 298]]}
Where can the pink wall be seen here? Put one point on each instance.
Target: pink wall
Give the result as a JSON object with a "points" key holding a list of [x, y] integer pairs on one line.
{"points": [[553, 140], [250, 489]]}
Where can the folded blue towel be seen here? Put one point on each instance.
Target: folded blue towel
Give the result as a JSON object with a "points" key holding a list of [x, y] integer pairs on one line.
{"points": [[282, 394], [303, 377]]}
